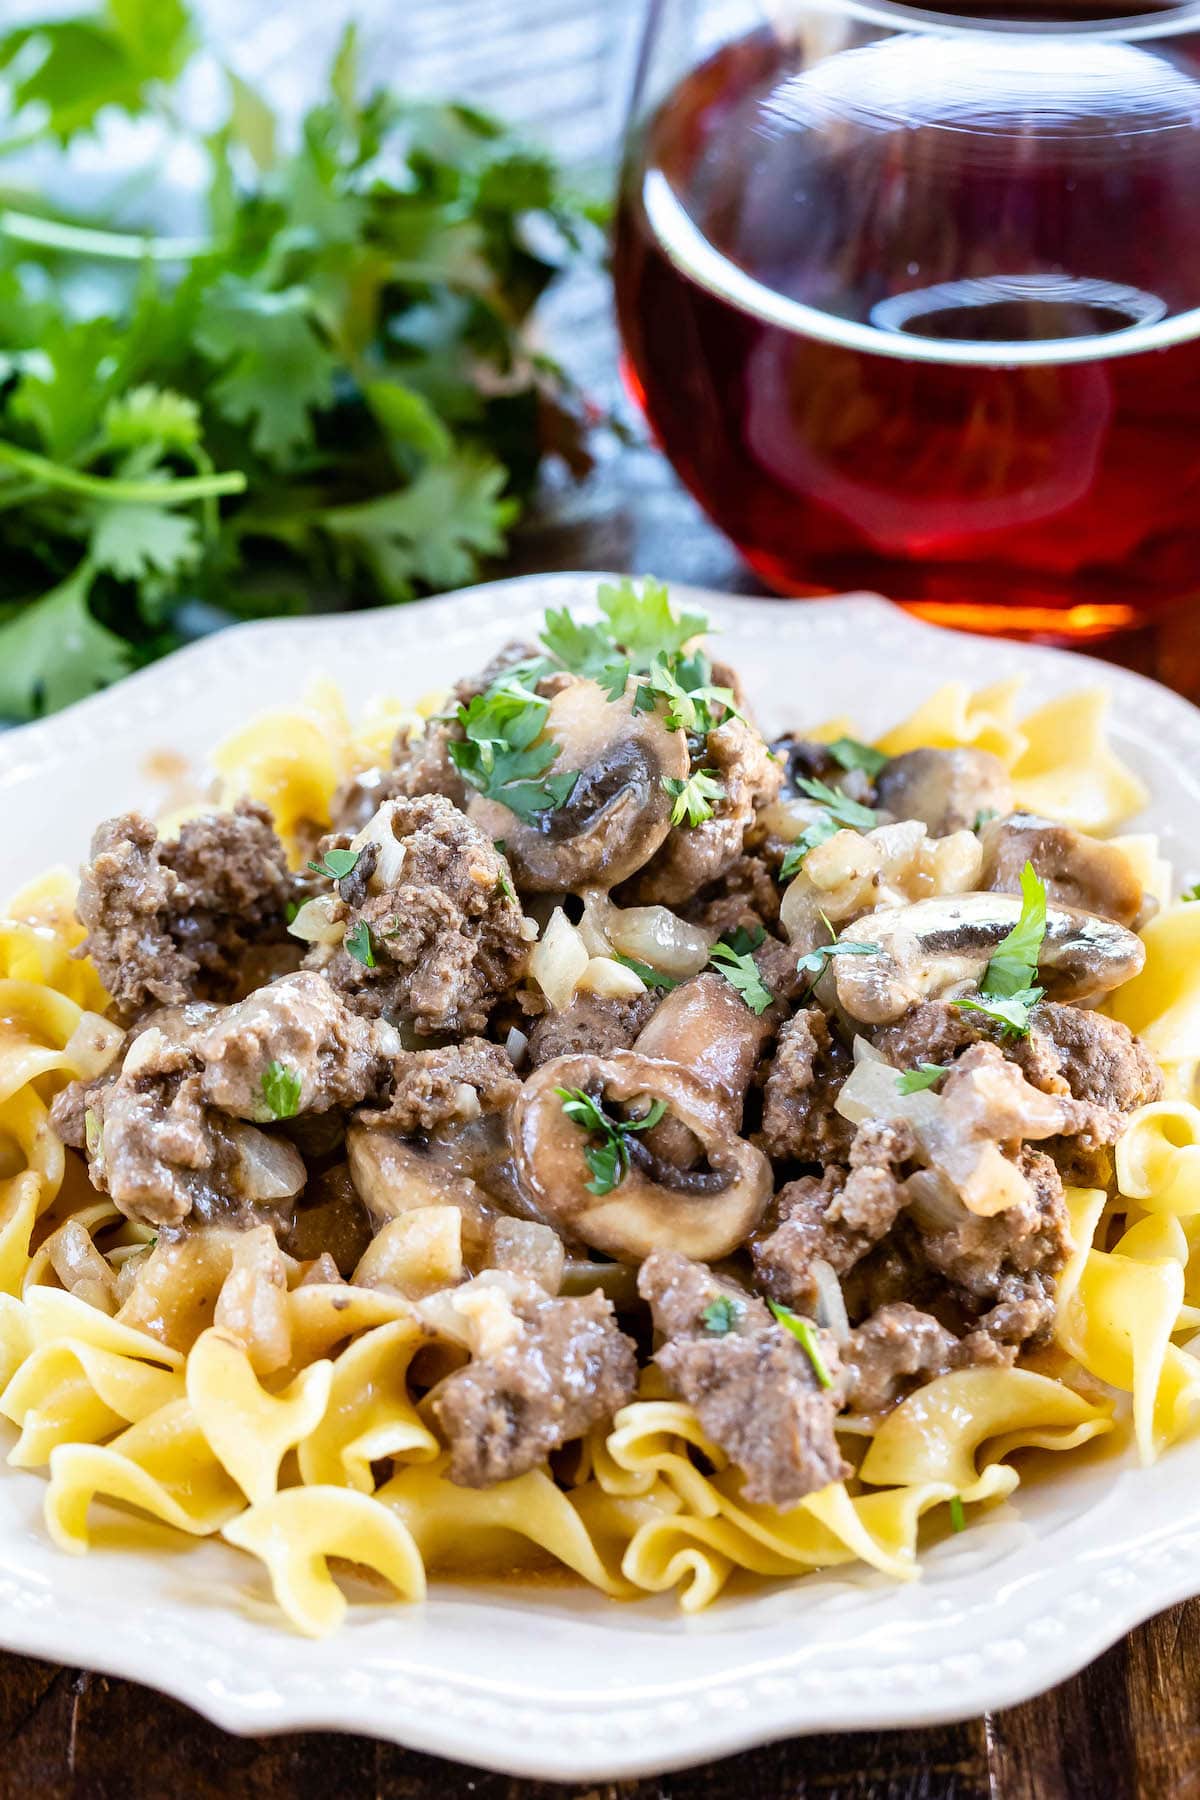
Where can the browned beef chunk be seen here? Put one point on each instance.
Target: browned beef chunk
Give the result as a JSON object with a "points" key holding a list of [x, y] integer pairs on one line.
{"points": [[946, 789], [799, 1123], [446, 941], [68, 1111], [432, 1088], [745, 896], [753, 1386], [1099, 1059], [693, 856], [1077, 870], [932, 1031], [591, 1026], [837, 1218], [421, 764], [900, 1347], [303, 1028], [173, 921], [568, 1368]]}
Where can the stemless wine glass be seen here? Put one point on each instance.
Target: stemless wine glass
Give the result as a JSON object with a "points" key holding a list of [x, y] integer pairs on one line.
{"points": [[912, 300]]}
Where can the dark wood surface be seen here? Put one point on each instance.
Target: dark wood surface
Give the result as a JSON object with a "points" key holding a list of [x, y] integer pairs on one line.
{"points": [[1128, 1726]]}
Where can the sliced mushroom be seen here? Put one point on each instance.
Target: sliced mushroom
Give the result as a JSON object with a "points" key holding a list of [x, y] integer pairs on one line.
{"points": [[619, 811], [1078, 870], [705, 1026], [704, 1213], [933, 946], [391, 1176], [946, 789]]}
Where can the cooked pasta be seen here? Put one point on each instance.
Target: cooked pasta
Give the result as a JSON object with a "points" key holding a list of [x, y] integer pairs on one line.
{"points": [[275, 1236]]}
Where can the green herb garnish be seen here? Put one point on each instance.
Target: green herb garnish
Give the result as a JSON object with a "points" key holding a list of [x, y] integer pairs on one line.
{"points": [[815, 962], [984, 816], [290, 909], [721, 1315], [505, 888], [336, 864], [1011, 1013], [732, 958], [1192, 893], [849, 753], [608, 1160], [819, 832], [1008, 992], [499, 755], [280, 1089], [924, 1075], [839, 806], [805, 1333], [357, 943], [653, 978], [958, 1518], [693, 798]]}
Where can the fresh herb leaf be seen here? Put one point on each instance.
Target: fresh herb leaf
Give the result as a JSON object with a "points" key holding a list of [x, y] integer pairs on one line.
{"points": [[499, 755], [505, 888], [54, 650], [924, 1075], [336, 864], [1192, 893], [983, 817], [742, 973], [805, 1333], [817, 961], [586, 650], [958, 1518], [280, 1089], [819, 832], [1014, 962], [849, 753], [644, 624], [1011, 1012], [357, 943], [290, 909], [693, 797], [847, 812], [607, 1160], [653, 978], [721, 1315]]}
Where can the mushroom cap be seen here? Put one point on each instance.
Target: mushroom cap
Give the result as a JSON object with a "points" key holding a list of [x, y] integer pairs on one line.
{"points": [[1078, 870], [935, 945], [945, 789], [619, 812], [641, 1214]]}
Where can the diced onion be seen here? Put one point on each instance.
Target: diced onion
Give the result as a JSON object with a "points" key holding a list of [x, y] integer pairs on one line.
{"points": [[93, 1045], [831, 1304], [524, 1247], [316, 922], [933, 1203], [610, 979], [558, 960], [870, 1091], [269, 1168], [516, 1044], [650, 934]]}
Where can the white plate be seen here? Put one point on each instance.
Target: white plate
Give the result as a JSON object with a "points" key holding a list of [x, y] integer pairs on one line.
{"points": [[555, 1681]]}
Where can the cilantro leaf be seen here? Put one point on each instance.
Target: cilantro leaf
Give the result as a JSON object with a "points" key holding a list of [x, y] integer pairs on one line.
{"points": [[609, 1159], [849, 753], [434, 530], [280, 1089], [135, 541], [53, 651], [916, 1080], [742, 973], [817, 833], [847, 812], [805, 1333], [721, 1315], [644, 624], [1014, 962], [653, 978], [1011, 1012], [357, 943], [277, 367], [336, 864], [694, 796]]}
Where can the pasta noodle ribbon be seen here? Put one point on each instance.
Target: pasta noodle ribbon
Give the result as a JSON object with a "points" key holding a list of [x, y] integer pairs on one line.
{"points": [[292, 761], [369, 1414], [1068, 771], [295, 1533], [1162, 1004], [247, 1429], [73, 1392], [953, 717], [54, 1315], [161, 1466], [1158, 1158], [324, 1314]]}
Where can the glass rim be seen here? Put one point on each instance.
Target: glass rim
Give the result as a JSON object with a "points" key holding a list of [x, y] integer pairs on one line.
{"points": [[1168, 20]]}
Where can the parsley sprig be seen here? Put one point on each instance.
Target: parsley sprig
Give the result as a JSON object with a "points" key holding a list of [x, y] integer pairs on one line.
{"points": [[805, 1333], [607, 1158], [500, 755], [819, 832], [923, 1075], [336, 864], [850, 753], [844, 811], [280, 1091], [721, 1315], [1008, 992], [815, 962], [653, 978], [1191, 893], [693, 796], [732, 957]]}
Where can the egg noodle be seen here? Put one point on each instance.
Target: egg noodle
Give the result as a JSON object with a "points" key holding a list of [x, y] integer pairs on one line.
{"points": [[220, 1393]]}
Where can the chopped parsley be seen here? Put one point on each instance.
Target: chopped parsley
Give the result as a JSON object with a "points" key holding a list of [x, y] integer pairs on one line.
{"points": [[693, 798], [732, 957], [721, 1315], [1008, 992], [691, 699], [642, 633], [291, 908], [805, 1333], [849, 753], [653, 978], [280, 1090], [958, 1518], [817, 961], [1192, 893], [839, 806], [924, 1075], [499, 755], [819, 832], [336, 864], [505, 888], [608, 1159], [357, 943]]}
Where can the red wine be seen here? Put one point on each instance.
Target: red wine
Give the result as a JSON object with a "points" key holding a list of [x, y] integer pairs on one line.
{"points": [[924, 316]]}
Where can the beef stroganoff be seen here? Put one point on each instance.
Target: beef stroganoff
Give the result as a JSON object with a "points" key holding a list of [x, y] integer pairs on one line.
{"points": [[555, 1125]]}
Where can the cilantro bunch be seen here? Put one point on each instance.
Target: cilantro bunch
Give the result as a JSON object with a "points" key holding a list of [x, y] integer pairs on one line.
{"points": [[327, 397]]}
